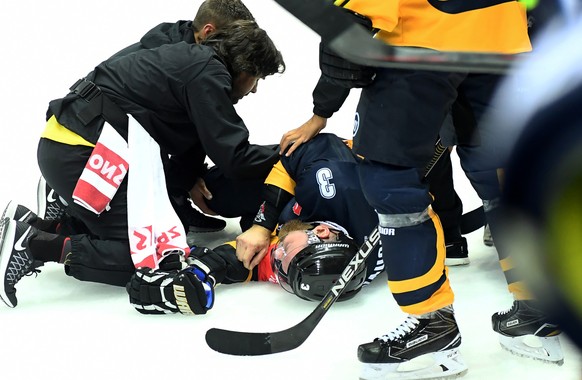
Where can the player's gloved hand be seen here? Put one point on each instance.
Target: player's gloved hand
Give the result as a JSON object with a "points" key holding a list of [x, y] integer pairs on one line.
{"points": [[173, 261], [220, 263], [188, 291], [340, 71], [194, 290], [208, 261], [151, 291]]}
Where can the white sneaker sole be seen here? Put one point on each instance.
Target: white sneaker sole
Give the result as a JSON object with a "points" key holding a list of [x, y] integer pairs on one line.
{"points": [[6, 243]]}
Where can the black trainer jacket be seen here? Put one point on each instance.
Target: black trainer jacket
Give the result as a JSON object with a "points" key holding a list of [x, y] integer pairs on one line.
{"points": [[179, 92]]}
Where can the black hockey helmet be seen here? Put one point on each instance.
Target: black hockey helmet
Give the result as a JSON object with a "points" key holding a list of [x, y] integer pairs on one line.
{"points": [[317, 267]]}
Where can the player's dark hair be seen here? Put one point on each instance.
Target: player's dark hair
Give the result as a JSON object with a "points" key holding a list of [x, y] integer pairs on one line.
{"points": [[245, 47], [220, 13]]}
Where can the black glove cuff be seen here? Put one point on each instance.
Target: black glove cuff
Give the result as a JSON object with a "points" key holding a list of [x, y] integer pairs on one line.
{"points": [[338, 70]]}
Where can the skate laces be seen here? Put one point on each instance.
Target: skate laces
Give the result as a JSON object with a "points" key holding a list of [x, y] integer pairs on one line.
{"points": [[409, 324], [507, 311]]}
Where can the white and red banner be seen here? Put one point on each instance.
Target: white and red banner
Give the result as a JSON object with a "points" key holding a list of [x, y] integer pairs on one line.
{"points": [[103, 173], [155, 230]]}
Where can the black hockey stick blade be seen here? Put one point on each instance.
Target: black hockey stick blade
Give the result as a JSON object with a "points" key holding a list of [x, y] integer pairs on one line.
{"points": [[353, 42], [472, 220], [253, 343]]}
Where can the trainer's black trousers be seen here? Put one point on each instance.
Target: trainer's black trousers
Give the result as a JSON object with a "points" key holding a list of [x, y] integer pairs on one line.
{"points": [[99, 243], [100, 250]]}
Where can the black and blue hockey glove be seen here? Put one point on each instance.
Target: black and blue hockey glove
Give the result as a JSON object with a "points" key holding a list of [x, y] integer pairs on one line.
{"points": [[188, 291]]}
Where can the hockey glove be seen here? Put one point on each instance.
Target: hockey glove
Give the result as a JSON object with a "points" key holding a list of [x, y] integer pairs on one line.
{"points": [[341, 72], [194, 291], [173, 261], [189, 291], [219, 263]]}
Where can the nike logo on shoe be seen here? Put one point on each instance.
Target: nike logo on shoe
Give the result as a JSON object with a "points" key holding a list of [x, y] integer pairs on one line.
{"points": [[23, 217], [18, 246], [51, 197]]}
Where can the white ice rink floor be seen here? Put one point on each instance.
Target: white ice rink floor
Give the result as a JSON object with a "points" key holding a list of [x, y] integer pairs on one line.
{"points": [[66, 329]]}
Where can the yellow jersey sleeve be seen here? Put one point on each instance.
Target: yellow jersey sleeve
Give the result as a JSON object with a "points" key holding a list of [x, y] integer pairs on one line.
{"points": [[280, 178], [489, 26]]}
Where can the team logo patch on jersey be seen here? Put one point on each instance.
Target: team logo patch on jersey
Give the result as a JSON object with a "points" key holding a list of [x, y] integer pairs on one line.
{"points": [[260, 217], [297, 209], [356, 123]]}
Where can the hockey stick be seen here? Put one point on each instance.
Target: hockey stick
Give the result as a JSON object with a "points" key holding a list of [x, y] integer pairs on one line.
{"points": [[472, 220], [257, 343], [353, 42]]}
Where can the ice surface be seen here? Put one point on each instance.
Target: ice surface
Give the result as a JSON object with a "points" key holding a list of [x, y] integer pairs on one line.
{"points": [[66, 329]]}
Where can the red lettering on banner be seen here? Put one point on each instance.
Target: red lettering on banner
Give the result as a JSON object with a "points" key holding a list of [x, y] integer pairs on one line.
{"points": [[164, 238], [108, 169], [144, 239], [112, 169], [96, 161]]}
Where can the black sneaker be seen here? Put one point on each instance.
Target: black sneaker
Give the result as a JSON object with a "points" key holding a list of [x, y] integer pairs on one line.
{"points": [[199, 222], [435, 334], [457, 253], [14, 211], [50, 205], [519, 324], [194, 220], [15, 260]]}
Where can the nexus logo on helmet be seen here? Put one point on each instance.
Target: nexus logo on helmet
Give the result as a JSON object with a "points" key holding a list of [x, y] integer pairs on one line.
{"points": [[315, 270], [355, 263]]}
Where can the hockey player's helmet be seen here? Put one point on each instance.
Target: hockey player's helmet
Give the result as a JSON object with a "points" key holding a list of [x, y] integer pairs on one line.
{"points": [[317, 267]]}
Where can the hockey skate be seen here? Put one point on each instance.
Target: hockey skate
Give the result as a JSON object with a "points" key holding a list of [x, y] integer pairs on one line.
{"points": [[487, 238], [15, 260], [457, 253], [422, 347], [525, 331], [50, 205]]}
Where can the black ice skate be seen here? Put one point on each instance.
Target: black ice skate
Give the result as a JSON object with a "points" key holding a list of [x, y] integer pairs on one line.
{"points": [[422, 347], [525, 331], [50, 205], [457, 253], [15, 260]]}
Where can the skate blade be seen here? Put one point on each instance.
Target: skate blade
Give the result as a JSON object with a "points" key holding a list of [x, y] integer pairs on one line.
{"points": [[455, 262], [546, 349], [441, 365]]}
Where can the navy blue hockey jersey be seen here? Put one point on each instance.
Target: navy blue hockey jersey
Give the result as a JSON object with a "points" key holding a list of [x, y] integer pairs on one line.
{"points": [[325, 171]]}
